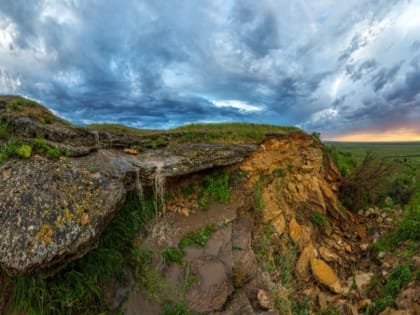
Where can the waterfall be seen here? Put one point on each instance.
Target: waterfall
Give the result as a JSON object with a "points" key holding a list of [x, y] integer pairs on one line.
{"points": [[96, 134], [139, 189], [159, 188]]}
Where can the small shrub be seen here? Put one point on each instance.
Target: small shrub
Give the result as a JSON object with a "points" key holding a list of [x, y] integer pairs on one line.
{"points": [[301, 307], [43, 148], [400, 277], [319, 219], [316, 136], [4, 132], [15, 105], [216, 187], [279, 172], [345, 161], [172, 255], [157, 143], [188, 190], [14, 149], [24, 151], [364, 185], [198, 238]]}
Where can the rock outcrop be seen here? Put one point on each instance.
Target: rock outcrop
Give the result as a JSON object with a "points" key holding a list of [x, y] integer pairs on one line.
{"points": [[54, 210]]}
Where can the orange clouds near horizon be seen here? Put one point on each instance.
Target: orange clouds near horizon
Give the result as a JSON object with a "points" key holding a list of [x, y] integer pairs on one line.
{"points": [[398, 135]]}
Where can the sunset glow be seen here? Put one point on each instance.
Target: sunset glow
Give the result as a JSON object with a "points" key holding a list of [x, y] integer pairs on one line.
{"points": [[375, 136]]}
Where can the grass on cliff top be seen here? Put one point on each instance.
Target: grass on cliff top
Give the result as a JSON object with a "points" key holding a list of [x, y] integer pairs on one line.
{"points": [[118, 129], [18, 105], [223, 133], [231, 132]]}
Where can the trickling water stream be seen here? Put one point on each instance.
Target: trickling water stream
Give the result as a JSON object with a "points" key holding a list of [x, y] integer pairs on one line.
{"points": [[96, 134], [160, 187], [139, 189]]}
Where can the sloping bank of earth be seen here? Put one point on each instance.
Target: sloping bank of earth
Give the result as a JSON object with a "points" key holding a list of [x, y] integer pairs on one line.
{"points": [[247, 228]]}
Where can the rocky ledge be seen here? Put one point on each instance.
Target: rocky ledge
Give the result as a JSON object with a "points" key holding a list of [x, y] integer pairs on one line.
{"points": [[53, 210]]}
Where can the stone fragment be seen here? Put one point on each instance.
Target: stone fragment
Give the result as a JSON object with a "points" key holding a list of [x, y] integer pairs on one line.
{"points": [[408, 297], [302, 264], [265, 299], [328, 255], [295, 231], [325, 275], [279, 224], [131, 151]]}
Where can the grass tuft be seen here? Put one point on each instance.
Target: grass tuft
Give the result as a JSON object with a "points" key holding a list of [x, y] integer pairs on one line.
{"points": [[172, 255], [197, 238], [400, 277]]}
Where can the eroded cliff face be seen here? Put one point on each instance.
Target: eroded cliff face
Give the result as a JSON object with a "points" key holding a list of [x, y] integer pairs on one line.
{"points": [[295, 176], [282, 235], [279, 238]]}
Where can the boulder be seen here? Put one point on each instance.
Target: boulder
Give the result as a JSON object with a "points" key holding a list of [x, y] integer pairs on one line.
{"points": [[265, 299], [212, 288], [325, 275], [51, 211]]}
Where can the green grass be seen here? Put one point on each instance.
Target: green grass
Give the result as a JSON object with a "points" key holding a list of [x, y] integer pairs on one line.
{"points": [[145, 272], [224, 133], [216, 187], [20, 149], [172, 255], [345, 161], [230, 132], [393, 149], [197, 238], [78, 289], [17, 105], [122, 130], [319, 220], [399, 278], [177, 309], [4, 132], [14, 149], [257, 195], [43, 148]]}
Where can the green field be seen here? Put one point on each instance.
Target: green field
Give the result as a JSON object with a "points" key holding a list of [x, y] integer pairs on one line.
{"points": [[409, 150]]}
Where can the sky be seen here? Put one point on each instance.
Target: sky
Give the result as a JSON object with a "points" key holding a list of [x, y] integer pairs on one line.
{"points": [[347, 69]]}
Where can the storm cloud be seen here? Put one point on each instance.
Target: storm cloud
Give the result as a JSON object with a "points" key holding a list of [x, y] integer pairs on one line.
{"points": [[322, 65]]}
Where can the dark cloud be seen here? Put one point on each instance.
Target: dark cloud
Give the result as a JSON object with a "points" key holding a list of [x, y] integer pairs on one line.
{"points": [[384, 76], [356, 73], [161, 64]]}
